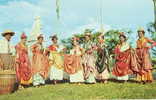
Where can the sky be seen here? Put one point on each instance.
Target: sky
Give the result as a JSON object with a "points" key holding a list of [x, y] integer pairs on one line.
{"points": [[75, 15]]}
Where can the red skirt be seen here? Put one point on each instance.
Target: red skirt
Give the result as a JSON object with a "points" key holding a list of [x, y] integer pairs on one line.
{"points": [[126, 63]]}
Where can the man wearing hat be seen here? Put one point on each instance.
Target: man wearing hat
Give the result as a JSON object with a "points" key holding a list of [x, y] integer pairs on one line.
{"points": [[6, 50], [5, 43]]}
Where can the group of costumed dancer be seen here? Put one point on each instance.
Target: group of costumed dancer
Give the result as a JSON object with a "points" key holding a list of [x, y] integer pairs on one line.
{"points": [[84, 64]]}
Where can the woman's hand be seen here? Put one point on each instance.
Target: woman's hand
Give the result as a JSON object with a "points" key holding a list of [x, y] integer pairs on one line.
{"points": [[149, 47], [51, 62]]}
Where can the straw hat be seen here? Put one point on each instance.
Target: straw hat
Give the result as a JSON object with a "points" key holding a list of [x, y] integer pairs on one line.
{"points": [[87, 32], [121, 33], [141, 29], [8, 32]]}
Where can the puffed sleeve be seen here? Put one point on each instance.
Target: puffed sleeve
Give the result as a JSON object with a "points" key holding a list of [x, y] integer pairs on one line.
{"points": [[152, 42]]}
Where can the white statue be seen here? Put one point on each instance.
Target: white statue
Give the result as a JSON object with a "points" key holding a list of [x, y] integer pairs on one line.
{"points": [[36, 29]]}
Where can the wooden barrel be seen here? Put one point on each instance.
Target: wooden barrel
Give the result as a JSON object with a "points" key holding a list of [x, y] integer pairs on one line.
{"points": [[7, 82], [7, 62]]}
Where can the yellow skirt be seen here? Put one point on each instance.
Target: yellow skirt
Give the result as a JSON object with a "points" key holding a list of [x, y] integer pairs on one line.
{"points": [[28, 82], [145, 77]]}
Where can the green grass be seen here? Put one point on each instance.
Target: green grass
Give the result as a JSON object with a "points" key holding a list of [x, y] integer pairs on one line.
{"points": [[66, 91], [97, 91]]}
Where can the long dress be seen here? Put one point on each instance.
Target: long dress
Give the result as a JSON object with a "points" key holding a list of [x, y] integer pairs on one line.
{"points": [[102, 62], [89, 64], [126, 63], [40, 65], [23, 66], [145, 69], [73, 65], [89, 68], [56, 60]]}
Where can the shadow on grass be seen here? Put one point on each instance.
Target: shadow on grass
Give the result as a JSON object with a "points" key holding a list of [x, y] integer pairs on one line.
{"points": [[131, 80], [121, 81]]}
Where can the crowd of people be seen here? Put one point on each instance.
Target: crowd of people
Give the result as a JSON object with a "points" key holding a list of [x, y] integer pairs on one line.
{"points": [[84, 64]]}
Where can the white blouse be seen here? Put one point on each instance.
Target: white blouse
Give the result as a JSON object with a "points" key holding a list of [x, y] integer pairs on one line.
{"points": [[6, 47]]}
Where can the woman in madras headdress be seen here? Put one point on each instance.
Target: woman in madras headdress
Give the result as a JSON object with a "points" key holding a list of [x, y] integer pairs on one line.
{"points": [[89, 60], [23, 65], [102, 62], [126, 63], [40, 63], [56, 61], [73, 63], [143, 46]]}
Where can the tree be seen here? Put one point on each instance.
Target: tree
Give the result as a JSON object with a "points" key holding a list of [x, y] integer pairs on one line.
{"points": [[111, 39], [154, 3], [152, 28]]}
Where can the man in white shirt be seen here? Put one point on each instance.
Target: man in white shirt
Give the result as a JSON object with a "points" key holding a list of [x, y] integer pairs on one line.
{"points": [[6, 50], [5, 46]]}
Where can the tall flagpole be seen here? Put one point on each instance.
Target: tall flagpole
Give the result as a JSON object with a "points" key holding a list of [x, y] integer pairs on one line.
{"points": [[101, 17], [58, 15], [58, 9]]}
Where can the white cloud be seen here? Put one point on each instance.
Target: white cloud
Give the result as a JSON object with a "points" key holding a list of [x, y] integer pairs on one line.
{"points": [[76, 15], [93, 24], [19, 16]]}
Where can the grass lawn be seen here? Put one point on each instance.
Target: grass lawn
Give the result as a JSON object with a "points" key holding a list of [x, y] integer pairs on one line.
{"points": [[66, 91], [97, 91]]}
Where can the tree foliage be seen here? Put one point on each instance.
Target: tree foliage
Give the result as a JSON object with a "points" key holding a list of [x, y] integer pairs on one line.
{"points": [[111, 38], [151, 29]]}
